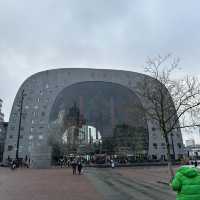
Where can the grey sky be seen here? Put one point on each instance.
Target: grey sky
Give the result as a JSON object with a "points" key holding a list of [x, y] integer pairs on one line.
{"points": [[118, 34]]}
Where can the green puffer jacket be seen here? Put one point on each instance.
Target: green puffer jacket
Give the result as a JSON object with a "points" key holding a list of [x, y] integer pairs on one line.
{"points": [[187, 184]]}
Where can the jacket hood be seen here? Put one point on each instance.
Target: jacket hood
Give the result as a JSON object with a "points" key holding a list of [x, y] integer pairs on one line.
{"points": [[188, 171]]}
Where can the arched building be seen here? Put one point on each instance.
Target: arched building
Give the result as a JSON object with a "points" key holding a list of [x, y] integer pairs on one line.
{"points": [[90, 110]]}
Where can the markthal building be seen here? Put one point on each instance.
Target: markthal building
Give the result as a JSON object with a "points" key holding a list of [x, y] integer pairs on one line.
{"points": [[87, 113]]}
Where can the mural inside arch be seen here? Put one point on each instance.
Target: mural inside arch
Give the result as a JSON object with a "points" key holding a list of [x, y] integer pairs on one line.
{"points": [[96, 117]]}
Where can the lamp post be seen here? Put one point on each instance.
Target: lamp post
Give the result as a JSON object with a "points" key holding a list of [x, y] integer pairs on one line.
{"points": [[20, 120], [173, 146]]}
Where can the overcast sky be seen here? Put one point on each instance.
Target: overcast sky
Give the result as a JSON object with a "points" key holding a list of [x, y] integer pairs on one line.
{"points": [[118, 34]]}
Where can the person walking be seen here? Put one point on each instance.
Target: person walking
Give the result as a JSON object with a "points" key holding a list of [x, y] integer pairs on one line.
{"points": [[61, 162], [68, 163], [13, 164], [112, 164], [80, 166], [187, 183], [195, 163], [74, 165]]}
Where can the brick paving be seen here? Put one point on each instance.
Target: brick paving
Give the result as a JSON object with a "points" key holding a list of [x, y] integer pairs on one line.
{"points": [[151, 174], [48, 184], [96, 184], [135, 183]]}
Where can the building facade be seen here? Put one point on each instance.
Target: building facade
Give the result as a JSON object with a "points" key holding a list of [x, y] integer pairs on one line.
{"points": [[190, 142], [3, 132], [107, 101], [1, 114], [193, 152]]}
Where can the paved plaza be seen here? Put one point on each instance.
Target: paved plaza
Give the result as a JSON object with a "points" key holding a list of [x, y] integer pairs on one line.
{"points": [[48, 184], [136, 183]]}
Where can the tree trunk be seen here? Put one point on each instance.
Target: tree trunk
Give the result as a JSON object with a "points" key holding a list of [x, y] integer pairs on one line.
{"points": [[171, 171]]}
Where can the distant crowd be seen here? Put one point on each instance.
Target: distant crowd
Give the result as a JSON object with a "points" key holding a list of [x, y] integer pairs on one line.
{"points": [[18, 163]]}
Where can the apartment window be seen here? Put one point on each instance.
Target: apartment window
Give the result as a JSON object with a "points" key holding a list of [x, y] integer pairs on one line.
{"points": [[155, 146], [43, 114], [36, 107], [154, 134], [30, 137], [26, 107], [179, 145], [10, 147], [163, 157], [14, 119], [40, 137], [35, 114], [154, 157], [163, 145]]}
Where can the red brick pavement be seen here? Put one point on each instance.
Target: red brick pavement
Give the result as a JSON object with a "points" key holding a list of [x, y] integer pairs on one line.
{"points": [[147, 174], [48, 184]]}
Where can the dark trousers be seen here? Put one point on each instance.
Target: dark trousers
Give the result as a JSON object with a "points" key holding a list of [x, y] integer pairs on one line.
{"points": [[74, 170]]}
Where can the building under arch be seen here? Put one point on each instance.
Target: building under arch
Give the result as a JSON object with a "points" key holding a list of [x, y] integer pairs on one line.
{"points": [[86, 111]]}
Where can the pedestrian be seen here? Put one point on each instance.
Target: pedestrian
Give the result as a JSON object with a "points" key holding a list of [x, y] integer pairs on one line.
{"points": [[195, 163], [26, 158], [112, 164], [13, 164], [187, 183], [74, 165], [61, 161], [29, 162], [80, 166], [25, 162], [68, 163]]}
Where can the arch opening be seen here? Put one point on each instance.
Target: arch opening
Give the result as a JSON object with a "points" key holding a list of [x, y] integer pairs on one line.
{"points": [[97, 121]]}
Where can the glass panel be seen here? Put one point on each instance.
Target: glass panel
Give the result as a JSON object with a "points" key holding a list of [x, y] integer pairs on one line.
{"points": [[98, 118]]}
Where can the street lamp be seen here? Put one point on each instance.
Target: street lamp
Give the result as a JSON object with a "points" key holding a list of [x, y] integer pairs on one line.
{"points": [[173, 146], [20, 120]]}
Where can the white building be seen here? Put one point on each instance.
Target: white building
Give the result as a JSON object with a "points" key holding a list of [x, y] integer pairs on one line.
{"points": [[190, 142], [86, 135]]}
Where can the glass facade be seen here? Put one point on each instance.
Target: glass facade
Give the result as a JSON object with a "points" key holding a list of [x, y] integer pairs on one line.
{"points": [[96, 117]]}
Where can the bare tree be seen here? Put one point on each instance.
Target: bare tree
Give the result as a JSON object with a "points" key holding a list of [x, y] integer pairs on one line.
{"points": [[172, 103]]}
